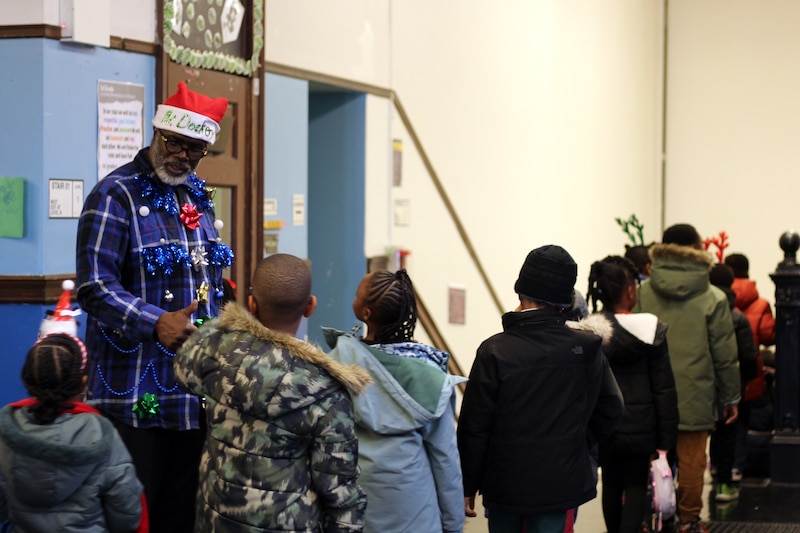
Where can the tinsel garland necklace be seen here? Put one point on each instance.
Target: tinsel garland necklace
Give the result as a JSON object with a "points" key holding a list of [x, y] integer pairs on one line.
{"points": [[165, 201], [169, 256]]}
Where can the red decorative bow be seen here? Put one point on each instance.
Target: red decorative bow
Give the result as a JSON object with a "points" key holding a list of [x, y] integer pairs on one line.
{"points": [[190, 216]]}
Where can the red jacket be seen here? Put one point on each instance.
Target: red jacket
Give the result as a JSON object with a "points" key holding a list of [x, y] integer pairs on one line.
{"points": [[757, 311]]}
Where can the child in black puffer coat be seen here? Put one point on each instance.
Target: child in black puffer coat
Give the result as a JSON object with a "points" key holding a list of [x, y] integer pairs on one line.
{"points": [[639, 358]]}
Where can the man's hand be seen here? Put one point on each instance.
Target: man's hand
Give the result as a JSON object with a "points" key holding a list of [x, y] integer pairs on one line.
{"points": [[469, 506], [730, 413], [174, 327]]}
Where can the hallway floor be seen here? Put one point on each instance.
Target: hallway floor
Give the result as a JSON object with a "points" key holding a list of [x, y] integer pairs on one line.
{"points": [[762, 507]]}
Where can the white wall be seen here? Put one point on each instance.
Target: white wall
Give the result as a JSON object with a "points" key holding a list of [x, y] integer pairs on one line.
{"points": [[733, 122], [29, 12], [130, 19], [543, 122], [346, 38], [542, 119], [135, 19], [378, 194]]}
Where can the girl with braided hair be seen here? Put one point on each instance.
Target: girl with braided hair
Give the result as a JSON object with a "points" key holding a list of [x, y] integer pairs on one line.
{"points": [[386, 303], [639, 358], [63, 467], [405, 420]]}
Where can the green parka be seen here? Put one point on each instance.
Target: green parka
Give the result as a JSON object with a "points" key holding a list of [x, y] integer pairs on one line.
{"points": [[702, 344]]}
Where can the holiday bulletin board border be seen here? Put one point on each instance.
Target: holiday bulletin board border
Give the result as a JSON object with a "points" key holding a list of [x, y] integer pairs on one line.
{"points": [[209, 59]]}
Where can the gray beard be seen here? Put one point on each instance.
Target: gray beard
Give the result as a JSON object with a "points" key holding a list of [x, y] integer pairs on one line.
{"points": [[174, 181]]}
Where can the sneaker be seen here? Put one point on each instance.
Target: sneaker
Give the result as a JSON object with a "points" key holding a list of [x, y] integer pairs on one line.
{"points": [[726, 493], [693, 527], [736, 475], [724, 510]]}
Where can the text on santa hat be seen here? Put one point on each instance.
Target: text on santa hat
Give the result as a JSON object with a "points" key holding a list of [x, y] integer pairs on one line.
{"points": [[185, 122]]}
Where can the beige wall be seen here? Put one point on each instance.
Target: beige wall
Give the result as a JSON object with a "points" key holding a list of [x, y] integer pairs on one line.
{"points": [[29, 12], [349, 39], [733, 124], [542, 119], [130, 19]]}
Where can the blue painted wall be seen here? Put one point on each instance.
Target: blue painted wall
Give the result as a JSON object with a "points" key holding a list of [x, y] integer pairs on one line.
{"points": [[286, 156], [50, 131], [336, 176]]}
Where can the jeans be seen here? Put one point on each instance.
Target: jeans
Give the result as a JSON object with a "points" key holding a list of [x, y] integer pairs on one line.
{"points": [[501, 522]]}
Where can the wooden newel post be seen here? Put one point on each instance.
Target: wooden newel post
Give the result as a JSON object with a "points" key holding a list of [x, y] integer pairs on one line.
{"points": [[785, 448]]}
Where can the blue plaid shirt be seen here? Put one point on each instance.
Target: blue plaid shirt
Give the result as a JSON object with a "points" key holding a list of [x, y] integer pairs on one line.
{"points": [[134, 263]]}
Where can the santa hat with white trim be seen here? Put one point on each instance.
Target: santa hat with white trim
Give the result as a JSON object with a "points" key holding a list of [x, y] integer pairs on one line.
{"points": [[191, 114], [63, 319]]}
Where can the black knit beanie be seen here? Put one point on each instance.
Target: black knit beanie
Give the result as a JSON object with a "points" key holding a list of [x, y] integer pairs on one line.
{"points": [[681, 234], [548, 276]]}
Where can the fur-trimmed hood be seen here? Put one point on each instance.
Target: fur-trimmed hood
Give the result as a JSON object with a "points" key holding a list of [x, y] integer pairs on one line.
{"points": [[679, 272], [680, 253], [595, 323], [236, 318]]}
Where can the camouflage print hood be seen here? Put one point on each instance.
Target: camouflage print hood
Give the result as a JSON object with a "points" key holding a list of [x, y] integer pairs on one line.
{"points": [[236, 318]]}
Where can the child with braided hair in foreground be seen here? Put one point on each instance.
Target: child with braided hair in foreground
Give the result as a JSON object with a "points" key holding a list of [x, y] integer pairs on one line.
{"points": [[639, 359], [405, 421], [63, 467]]}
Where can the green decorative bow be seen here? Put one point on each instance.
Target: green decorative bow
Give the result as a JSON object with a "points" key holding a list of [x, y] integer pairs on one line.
{"points": [[147, 406], [203, 320]]}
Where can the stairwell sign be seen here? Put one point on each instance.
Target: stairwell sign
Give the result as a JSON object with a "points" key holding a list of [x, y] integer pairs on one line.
{"points": [[120, 126]]}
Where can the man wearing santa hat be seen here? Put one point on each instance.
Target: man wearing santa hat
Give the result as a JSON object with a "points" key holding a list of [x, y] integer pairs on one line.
{"points": [[149, 270]]}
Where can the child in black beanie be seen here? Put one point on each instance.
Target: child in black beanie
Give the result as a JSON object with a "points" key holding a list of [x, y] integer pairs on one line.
{"points": [[540, 394]]}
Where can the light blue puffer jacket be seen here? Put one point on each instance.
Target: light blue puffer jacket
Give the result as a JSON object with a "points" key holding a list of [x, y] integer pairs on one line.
{"points": [[408, 454]]}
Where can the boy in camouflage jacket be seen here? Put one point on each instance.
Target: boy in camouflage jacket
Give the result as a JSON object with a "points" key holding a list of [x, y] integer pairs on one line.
{"points": [[281, 452]]}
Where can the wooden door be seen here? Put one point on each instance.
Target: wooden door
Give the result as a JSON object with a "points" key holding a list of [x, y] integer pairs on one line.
{"points": [[232, 164]]}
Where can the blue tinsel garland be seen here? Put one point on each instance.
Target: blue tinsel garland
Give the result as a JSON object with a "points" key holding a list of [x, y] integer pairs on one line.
{"points": [[220, 255], [167, 257], [165, 201]]}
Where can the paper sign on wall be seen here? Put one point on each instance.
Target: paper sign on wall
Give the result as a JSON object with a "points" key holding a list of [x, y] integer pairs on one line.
{"points": [[402, 212], [457, 305], [298, 209], [397, 162], [12, 202], [120, 128], [270, 207], [66, 198]]}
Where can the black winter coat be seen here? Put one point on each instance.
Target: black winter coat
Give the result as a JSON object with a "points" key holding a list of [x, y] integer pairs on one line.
{"points": [[538, 396], [644, 375], [746, 346]]}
